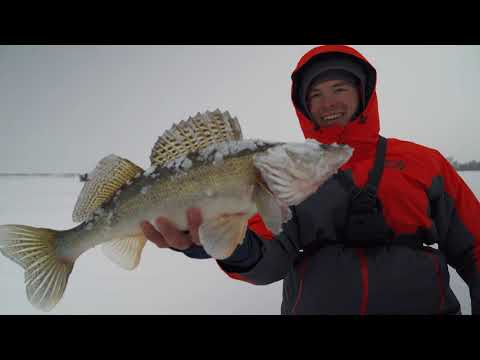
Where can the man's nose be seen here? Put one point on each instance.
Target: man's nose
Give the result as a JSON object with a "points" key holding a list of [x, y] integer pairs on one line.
{"points": [[327, 103]]}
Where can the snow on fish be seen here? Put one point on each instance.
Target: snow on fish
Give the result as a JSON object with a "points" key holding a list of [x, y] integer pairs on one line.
{"points": [[203, 162]]}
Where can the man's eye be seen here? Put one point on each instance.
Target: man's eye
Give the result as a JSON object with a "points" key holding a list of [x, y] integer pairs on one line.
{"points": [[340, 90]]}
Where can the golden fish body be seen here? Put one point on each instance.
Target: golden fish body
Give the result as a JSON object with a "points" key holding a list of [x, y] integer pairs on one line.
{"points": [[218, 186]]}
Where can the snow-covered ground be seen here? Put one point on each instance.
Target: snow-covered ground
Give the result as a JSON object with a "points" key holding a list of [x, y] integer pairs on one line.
{"points": [[165, 282]]}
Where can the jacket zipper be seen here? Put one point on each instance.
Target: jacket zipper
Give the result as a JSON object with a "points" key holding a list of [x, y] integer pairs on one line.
{"points": [[303, 267], [364, 273]]}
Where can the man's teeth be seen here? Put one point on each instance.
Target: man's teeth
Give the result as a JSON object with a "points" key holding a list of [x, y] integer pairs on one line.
{"points": [[332, 117]]}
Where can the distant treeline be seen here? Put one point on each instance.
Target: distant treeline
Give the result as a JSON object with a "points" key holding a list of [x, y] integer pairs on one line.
{"points": [[41, 174], [468, 166]]}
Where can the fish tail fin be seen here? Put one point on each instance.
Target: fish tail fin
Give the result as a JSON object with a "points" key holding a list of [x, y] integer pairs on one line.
{"points": [[34, 249]]}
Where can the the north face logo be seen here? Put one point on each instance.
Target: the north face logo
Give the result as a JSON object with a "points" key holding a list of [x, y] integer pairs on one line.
{"points": [[396, 164]]}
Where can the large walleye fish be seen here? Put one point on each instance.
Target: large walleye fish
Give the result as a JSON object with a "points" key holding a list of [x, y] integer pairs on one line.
{"points": [[202, 162]]}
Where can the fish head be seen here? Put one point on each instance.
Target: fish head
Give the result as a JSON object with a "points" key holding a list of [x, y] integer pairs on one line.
{"points": [[293, 171]]}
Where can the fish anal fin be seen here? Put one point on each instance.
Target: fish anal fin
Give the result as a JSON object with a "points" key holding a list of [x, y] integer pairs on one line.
{"points": [[125, 252], [221, 235], [110, 174]]}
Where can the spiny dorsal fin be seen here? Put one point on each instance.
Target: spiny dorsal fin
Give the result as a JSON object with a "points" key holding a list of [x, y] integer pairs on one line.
{"points": [[194, 134], [110, 174]]}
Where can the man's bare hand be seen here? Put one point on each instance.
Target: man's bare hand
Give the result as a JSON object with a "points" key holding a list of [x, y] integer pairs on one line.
{"points": [[168, 235]]}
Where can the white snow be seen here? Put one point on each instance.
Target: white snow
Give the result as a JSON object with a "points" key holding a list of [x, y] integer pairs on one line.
{"points": [[99, 211], [218, 159], [177, 164], [150, 170], [186, 164], [109, 217], [228, 148], [209, 192], [48, 202]]}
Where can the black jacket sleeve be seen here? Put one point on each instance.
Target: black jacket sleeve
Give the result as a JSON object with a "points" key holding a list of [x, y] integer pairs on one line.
{"points": [[315, 219], [260, 261], [455, 211]]}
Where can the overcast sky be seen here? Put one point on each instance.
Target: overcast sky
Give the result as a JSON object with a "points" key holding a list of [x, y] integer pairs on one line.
{"points": [[63, 108]]}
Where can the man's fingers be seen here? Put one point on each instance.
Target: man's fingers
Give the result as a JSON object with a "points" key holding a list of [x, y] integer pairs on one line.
{"points": [[173, 237], [194, 216], [153, 235]]}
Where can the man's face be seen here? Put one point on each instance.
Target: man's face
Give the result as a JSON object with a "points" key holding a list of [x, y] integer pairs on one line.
{"points": [[332, 102]]}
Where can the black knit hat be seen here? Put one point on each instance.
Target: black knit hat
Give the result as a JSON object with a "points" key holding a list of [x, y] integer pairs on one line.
{"points": [[334, 74], [333, 66]]}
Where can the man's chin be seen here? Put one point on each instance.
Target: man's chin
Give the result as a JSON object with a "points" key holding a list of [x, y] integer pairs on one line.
{"points": [[327, 124]]}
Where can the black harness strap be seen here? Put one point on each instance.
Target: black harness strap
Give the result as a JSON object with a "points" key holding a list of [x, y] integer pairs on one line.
{"points": [[364, 200], [376, 173], [365, 226]]}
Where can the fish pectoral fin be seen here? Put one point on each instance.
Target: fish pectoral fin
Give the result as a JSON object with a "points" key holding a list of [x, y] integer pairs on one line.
{"points": [[289, 183], [272, 211], [221, 235], [125, 252], [110, 174]]}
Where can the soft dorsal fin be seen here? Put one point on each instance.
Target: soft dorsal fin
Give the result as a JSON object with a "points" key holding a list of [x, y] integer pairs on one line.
{"points": [[110, 174], [194, 134]]}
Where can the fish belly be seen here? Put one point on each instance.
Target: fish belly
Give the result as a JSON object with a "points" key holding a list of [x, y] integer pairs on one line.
{"points": [[213, 202]]}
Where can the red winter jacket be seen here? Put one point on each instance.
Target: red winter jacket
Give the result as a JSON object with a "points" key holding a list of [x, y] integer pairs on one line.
{"points": [[421, 194]]}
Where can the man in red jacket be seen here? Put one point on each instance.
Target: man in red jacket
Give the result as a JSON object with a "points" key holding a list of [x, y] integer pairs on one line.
{"points": [[362, 243]]}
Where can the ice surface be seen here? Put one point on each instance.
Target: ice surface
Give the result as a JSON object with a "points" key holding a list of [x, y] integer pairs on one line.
{"points": [[97, 286], [162, 284]]}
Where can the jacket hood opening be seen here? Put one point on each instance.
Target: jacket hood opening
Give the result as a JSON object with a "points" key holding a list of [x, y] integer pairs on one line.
{"points": [[365, 126], [320, 63]]}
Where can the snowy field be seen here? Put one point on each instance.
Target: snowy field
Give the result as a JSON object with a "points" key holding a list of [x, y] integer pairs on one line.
{"points": [[165, 282]]}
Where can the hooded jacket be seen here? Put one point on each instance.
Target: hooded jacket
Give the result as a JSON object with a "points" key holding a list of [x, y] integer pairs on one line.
{"points": [[421, 195]]}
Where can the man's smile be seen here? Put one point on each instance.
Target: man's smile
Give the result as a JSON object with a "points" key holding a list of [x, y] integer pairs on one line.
{"points": [[332, 117]]}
